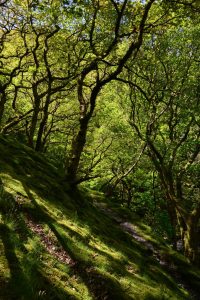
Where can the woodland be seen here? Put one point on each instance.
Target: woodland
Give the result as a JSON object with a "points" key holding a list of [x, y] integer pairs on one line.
{"points": [[109, 92]]}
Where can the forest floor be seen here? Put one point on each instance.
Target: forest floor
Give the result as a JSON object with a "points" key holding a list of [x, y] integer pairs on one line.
{"points": [[62, 244]]}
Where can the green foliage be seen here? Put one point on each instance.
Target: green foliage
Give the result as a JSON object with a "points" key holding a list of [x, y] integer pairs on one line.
{"points": [[109, 91]]}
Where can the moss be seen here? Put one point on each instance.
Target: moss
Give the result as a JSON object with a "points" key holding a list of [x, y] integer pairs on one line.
{"points": [[106, 263]]}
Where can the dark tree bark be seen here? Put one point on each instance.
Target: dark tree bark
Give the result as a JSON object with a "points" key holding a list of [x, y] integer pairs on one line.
{"points": [[2, 104]]}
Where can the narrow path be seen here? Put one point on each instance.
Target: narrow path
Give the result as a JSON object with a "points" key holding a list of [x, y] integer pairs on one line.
{"points": [[168, 265]]}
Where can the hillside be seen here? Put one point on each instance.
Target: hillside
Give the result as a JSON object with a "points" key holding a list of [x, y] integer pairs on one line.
{"points": [[62, 244]]}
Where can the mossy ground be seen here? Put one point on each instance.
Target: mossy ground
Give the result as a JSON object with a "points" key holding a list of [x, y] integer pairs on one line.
{"points": [[108, 263]]}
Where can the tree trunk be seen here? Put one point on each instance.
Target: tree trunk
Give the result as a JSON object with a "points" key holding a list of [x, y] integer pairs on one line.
{"points": [[166, 178], [33, 126], [191, 239], [77, 149], [34, 119], [2, 105], [39, 144], [80, 140], [190, 244], [173, 221]]}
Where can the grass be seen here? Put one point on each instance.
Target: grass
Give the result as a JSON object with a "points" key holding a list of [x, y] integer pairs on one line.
{"points": [[105, 262]]}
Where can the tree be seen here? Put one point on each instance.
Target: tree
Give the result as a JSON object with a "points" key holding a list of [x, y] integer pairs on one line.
{"points": [[105, 60], [165, 115], [11, 55], [41, 79]]}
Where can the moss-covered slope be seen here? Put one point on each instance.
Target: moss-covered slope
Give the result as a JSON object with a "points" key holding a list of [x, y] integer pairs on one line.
{"points": [[56, 244]]}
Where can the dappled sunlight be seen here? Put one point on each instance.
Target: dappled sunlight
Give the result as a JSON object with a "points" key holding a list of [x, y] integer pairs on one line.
{"points": [[63, 251]]}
